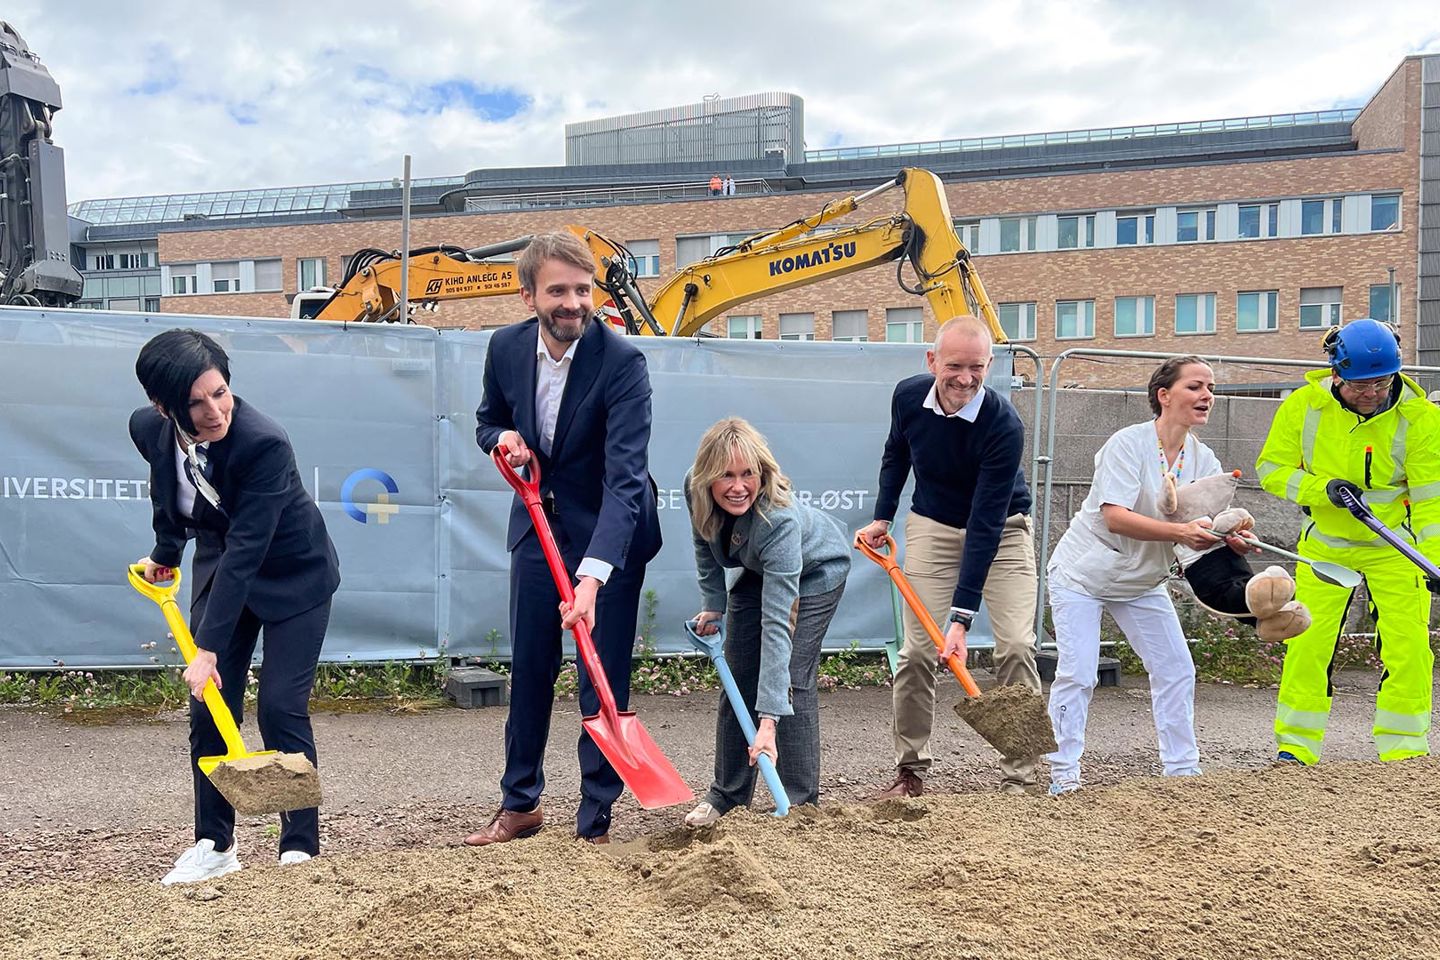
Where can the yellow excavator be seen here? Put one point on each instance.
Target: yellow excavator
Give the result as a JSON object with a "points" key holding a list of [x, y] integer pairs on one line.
{"points": [[370, 291], [921, 235]]}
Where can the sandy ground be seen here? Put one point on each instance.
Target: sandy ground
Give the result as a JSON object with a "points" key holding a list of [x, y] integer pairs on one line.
{"points": [[1338, 861]]}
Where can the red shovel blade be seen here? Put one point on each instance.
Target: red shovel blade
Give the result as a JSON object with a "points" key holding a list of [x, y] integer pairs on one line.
{"points": [[642, 766]]}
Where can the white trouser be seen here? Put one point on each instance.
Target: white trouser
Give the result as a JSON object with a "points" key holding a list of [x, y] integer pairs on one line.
{"points": [[1153, 631]]}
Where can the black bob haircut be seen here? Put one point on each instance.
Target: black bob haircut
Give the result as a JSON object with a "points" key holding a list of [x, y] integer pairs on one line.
{"points": [[171, 362]]}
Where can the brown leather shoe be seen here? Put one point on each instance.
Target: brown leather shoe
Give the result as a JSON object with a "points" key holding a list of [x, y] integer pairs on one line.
{"points": [[508, 825], [907, 783]]}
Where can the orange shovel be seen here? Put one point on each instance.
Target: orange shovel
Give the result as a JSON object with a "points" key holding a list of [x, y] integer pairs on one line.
{"points": [[1012, 719]]}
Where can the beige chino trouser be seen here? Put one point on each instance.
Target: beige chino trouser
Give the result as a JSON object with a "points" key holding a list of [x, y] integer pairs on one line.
{"points": [[933, 552]]}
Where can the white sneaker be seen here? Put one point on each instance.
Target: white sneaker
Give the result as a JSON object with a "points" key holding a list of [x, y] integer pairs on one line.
{"points": [[1062, 787], [292, 857], [703, 815], [201, 862]]}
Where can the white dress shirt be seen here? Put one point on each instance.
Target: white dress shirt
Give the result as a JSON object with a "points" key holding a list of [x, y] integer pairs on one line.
{"points": [[968, 412], [551, 375]]}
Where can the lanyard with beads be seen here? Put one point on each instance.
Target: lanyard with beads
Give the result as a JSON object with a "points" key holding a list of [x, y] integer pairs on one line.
{"points": [[1165, 464]]}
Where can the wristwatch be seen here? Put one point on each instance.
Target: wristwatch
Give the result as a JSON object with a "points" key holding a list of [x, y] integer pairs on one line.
{"points": [[963, 617]]}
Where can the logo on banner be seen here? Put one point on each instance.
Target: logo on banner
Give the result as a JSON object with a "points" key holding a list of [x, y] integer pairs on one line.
{"points": [[381, 508]]}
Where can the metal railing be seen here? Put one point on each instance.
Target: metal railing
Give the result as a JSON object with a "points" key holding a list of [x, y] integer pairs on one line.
{"points": [[610, 196], [1092, 135]]}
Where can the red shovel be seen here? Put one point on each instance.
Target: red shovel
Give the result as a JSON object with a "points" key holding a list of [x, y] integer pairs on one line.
{"points": [[619, 734]]}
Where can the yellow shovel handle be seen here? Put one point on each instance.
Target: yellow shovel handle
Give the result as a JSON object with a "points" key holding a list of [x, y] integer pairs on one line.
{"points": [[165, 597]]}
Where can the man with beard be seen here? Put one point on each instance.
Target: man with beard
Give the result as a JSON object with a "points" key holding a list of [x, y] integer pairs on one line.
{"points": [[564, 390], [967, 536]]}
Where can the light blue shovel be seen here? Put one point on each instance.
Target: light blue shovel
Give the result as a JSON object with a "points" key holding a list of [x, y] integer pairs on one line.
{"points": [[713, 647]]}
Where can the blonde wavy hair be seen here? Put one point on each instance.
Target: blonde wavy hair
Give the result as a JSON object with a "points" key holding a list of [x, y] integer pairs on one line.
{"points": [[728, 439]]}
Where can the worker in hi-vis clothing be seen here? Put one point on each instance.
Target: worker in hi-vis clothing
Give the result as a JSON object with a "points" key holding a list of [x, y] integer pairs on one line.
{"points": [[1365, 426]]}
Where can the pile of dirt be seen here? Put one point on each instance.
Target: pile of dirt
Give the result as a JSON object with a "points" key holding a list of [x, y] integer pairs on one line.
{"points": [[1012, 719], [268, 783], [1338, 861]]}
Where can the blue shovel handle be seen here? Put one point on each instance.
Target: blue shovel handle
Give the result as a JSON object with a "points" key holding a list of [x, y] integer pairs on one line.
{"points": [[713, 647]]}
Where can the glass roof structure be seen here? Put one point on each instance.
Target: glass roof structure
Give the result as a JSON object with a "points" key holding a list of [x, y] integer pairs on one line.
{"points": [[1085, 136], [232, 204]]}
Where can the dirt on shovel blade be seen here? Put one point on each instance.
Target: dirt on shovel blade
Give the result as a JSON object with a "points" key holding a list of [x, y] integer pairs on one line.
{"points": [[1012, 719], [273, 783]]}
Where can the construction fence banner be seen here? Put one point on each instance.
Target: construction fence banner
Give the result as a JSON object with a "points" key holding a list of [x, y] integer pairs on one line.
{"points": [[382, 419]]}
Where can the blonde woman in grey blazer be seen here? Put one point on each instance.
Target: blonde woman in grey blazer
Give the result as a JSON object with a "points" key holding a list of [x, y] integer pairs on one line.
{"points": [[793, 560]]}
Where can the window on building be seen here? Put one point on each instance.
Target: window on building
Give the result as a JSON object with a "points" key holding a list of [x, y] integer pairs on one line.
{"points": [[130, 304], [309, 272], [904, 325], [1195, 313], [267, 275], [1380, 301], [1255, 311], [1384, 211], [1193, 226], [1320, 216], [851, 326], [89, 305], [797, 326], [1017, 234], [225, 277], [644, 257], [1017, 320], [1134, 316], [969, 232], [1074, 319], [182, 279], [1075, 232], [1259, 220], [152, 305], [132, 261], [1134, 229], [1319, 307], [690, 249], [743, 328], [103, 261]]}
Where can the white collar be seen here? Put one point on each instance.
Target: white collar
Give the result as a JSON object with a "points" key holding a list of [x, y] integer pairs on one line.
{"points": [[968, 413], [543, 353]]}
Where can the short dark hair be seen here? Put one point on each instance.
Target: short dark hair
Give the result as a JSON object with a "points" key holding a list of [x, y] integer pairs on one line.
{"points": [[171, 362], [1167, 374]]}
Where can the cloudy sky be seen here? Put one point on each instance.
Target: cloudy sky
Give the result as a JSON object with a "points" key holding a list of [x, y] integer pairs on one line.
{"points": [[167, 96]]}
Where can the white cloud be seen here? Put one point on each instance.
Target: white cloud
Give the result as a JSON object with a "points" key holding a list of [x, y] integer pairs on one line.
{"points": [[169, 96]]}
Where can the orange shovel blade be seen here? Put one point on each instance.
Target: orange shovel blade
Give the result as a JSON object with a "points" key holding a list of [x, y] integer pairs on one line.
{"points": [[642, 766]]}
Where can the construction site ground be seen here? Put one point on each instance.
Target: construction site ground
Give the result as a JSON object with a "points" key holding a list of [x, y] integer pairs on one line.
{"points": [[1341, 860]]}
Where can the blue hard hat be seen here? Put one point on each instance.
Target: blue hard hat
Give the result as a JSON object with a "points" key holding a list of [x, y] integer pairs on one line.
{"points": [[1364, 349]]}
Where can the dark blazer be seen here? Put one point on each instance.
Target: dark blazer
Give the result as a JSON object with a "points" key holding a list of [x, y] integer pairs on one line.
{"points": [[265, 548], [598, 467]]}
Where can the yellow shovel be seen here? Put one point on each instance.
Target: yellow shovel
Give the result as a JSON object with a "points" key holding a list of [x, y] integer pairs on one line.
{"points": [[261, 781]]}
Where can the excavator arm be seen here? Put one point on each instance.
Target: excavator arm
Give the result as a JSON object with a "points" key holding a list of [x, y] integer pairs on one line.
{"points": [[921, 237], [370, 291]]}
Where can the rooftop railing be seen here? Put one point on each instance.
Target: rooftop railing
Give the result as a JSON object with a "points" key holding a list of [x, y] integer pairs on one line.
{"points": [[1094, 135]]}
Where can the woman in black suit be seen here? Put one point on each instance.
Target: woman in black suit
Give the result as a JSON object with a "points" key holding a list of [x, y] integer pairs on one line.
{"points": [[223, 472]]}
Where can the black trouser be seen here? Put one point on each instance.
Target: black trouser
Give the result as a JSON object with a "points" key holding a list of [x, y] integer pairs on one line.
{"points": [[292, 649], [535, 653], [1219, 579]]}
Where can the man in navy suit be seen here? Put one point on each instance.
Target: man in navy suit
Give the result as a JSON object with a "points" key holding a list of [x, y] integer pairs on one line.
{"points": [[563, 389]]}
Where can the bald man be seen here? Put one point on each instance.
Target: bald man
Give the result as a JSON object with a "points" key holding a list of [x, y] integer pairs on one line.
{"points": [[968, 536]]}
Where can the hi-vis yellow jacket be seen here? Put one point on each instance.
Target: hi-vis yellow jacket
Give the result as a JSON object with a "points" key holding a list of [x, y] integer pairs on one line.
{"points": [[1394, 457]]}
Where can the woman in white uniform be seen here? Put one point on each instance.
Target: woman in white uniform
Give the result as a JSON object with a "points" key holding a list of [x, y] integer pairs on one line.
{"points": [[1116, 557]]}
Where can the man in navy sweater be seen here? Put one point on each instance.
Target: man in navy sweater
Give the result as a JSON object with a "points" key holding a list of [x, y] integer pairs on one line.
{"points": [[968, 536]]}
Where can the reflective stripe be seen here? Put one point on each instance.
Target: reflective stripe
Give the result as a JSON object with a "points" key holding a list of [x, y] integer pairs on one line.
{"points": [[1307, 437], [1397, 451], [1313, 720], [1401, 722], [1395, 747], [1292, 485], [1340, 543], [1304, 749], [1387, 496], [1426, 533], [1425, 491], [1265, 469]]}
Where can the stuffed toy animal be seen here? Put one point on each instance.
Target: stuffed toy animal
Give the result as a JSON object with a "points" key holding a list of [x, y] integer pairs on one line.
{"points": [[1269, 594]]}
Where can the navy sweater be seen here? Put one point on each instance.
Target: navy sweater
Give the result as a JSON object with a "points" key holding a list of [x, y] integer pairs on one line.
{"points": [[967, 475]]}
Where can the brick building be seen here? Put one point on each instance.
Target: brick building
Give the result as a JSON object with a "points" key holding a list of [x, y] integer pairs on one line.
{"points": [[1242, 237]]}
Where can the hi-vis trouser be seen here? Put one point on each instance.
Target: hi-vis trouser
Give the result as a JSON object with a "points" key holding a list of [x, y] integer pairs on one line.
{"points": [[1400, 606]]}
